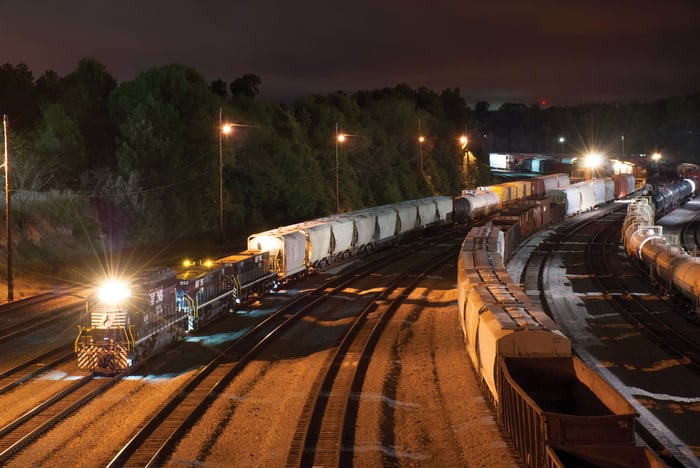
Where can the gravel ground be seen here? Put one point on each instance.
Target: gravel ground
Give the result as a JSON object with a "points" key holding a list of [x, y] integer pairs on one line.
{"points": [[419, 384], [91, 436]]}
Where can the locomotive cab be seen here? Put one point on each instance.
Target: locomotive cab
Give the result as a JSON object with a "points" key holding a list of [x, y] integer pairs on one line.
{"points": [[105, 344]]}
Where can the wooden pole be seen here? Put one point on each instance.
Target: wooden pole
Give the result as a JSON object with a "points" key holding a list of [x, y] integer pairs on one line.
{"points": [[8, 224]]}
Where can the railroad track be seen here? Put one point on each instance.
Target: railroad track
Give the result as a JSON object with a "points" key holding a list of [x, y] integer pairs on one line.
{"points": [[37, 321], [22, 317], [36, 300], [156, 438], [326, 425], [654, 322], [19, 374], [534, 275], [24, 430], [598, 246]]}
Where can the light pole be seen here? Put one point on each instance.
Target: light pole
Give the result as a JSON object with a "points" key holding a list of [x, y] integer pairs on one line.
{"points": [[622, 139], [421, 140], [463, 142], [561, 144], [8, 224], [339, 138], [224, 129]]}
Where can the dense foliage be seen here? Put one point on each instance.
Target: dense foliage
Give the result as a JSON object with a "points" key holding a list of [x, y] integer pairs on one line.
{"points": [[145, 153]]}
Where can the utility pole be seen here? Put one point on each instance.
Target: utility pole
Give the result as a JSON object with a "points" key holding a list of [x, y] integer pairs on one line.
{"points": [[337, 192], [221, 178], [8, 225]]}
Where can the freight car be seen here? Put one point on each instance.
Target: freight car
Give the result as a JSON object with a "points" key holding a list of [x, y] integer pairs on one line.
{"points": [[672, 269], [303, 248], [585, 196], [668, 197], [558, 411]]}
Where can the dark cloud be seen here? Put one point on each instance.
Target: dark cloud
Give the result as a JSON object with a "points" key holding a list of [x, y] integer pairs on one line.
{"points": [[566, 51]]}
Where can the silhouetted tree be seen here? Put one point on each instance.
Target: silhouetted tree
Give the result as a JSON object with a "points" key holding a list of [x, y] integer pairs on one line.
{"points": [[218, 87], [17, 96], [247, 85], [85, 96]]}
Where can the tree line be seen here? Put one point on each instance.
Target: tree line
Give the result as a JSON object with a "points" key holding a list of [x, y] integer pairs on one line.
{"points": [[145, 152]]}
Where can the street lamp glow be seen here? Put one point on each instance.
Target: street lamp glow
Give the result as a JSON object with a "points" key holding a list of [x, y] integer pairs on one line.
{"points": [[226, 129], [656, 156], [562, 139], [421, 139], [463, 140], [341, 137]]}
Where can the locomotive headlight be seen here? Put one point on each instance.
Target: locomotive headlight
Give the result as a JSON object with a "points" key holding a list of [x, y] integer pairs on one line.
{"points": [[113, 291], [593, 160]]}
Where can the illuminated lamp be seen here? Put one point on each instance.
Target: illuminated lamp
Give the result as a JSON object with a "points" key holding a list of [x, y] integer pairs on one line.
{"points": [[113, 291], [593, 160]]}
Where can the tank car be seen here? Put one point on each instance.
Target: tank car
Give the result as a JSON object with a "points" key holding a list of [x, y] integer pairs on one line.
{"points": [[668, 197], [671, 268], [475, 204]]}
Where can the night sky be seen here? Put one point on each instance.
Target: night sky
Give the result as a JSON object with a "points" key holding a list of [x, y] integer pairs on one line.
{"points": [[565, 51]]}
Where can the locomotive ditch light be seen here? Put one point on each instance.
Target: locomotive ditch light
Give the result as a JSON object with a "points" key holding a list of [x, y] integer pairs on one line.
{"points": [[187, 263], [208, 263], [113, 291]]}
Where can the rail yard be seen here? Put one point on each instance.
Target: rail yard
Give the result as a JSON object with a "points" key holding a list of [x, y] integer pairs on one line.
{"points": [[365, 363]]}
